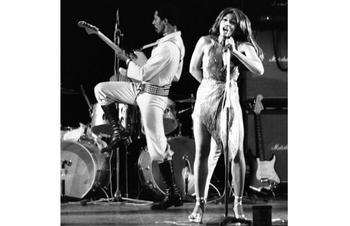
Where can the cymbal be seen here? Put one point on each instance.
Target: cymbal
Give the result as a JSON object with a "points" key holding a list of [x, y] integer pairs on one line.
{"points": [[188, 100], [69, 91]]}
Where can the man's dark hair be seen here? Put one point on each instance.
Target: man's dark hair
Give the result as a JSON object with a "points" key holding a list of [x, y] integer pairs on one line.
{"points": [[169, 11]]}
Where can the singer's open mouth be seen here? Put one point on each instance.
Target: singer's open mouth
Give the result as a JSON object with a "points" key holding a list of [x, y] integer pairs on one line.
{"points": [[226, 29]]}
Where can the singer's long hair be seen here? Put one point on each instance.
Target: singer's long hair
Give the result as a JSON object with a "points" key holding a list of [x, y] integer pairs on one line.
{"points": [[243, 31]]}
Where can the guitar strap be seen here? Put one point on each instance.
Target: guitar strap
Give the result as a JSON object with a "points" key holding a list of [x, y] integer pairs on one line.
{"points": [[148, 46], [156, 43]]}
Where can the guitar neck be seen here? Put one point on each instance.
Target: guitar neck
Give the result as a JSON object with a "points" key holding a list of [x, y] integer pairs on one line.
{"points": [[259, 137], [115, 48], [108, 41]]}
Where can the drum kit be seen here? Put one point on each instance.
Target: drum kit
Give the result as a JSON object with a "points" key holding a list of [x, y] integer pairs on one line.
{"points": [[86, 171]]}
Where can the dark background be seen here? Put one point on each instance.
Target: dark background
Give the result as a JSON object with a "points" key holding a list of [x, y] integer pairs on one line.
{"points": [[87, 60]]}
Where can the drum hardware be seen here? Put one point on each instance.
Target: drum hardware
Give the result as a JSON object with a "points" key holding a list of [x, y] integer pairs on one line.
{"points": [[64, 172], [117, 195], [186, 172], [65, 162], [85, 96]]}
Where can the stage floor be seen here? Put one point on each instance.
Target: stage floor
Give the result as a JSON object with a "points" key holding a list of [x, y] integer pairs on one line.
{"points": [[126, 213]]}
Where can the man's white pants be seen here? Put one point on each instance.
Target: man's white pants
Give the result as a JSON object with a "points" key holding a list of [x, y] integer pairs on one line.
{"points": [[152, 108]]}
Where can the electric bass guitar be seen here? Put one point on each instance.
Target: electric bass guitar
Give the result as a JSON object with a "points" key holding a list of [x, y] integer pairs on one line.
{"points": [[137, 57], [264, 176]]}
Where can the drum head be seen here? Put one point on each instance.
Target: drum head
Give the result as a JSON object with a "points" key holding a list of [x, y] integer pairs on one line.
{"points": [[183, 158], [80, 168]]}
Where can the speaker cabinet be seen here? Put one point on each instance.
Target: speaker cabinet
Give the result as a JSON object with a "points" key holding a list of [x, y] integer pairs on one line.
{"points": [[274, 134], [274, 82]]}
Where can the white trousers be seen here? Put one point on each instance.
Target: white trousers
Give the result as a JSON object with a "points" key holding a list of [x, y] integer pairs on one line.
{"points": [[152, 109]]}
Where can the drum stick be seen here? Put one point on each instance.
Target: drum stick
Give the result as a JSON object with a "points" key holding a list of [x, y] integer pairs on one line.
{"points": [[85, 96]]}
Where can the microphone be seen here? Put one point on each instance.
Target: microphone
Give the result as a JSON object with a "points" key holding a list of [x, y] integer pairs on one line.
{"points": [[227, 44], [117, 19], [226, 54]]}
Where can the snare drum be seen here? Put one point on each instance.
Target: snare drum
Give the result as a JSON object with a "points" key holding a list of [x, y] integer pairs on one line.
{"points": [[183, 158], [83, 168]]}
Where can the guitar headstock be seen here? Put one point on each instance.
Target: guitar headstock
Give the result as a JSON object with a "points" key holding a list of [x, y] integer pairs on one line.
{"points": [[90, 29], [258, 106]]}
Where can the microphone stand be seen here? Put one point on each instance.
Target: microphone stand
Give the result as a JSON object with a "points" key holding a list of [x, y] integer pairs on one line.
{"points": [[122, 109], [116, 39], [226, 220]]}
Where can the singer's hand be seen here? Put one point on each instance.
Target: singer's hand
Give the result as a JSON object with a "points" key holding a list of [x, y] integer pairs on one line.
{"points": [[229, 45]]}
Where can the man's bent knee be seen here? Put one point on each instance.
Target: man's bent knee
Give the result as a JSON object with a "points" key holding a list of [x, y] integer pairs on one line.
{"points": [[99, 91]]}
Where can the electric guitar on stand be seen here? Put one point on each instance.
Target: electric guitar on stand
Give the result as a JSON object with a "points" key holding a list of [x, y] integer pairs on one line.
{"points": [[264, 176]]}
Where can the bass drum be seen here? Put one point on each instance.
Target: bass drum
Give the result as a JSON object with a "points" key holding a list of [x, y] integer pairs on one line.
{"points": [[183, 158], [83, 168]]}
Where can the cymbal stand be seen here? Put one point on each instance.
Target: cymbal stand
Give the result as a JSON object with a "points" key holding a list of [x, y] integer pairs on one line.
{"points": [[91, 109], [227, 220], [117, 194]]}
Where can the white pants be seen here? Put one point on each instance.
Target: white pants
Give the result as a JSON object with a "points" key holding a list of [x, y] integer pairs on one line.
{"points": [[152, 108]]}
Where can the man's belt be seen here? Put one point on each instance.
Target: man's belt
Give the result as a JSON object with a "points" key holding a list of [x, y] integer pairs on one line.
{"points": [[154, 89]]}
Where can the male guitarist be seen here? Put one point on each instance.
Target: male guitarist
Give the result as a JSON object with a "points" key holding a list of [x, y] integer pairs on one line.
{"points": [[150, 93]]}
